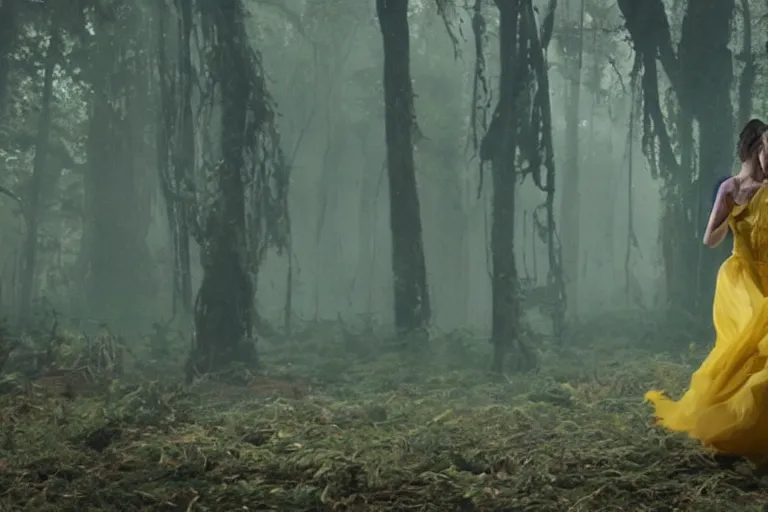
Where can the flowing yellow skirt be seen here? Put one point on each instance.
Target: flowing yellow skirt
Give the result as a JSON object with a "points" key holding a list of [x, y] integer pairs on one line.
{"points": [[726, 406]]}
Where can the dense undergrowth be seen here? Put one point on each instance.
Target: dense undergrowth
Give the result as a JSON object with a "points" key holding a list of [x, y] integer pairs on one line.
{"points": [[336, 422]]}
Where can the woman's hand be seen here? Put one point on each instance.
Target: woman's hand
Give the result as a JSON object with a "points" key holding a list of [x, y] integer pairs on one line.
{"points": [[742, 192]]}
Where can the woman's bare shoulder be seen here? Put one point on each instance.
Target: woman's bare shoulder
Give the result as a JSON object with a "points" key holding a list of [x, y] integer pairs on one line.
{"points": [[730, 184]]}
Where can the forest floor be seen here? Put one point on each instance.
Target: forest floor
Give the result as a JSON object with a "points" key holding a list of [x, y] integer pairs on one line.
{"points": [[338, 425]]}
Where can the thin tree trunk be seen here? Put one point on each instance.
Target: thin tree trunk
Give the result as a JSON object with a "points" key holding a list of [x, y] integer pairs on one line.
{"points": [[8, 14], [32, 205], [570, 206], [412, 306], [185, 156], [504, 281]]}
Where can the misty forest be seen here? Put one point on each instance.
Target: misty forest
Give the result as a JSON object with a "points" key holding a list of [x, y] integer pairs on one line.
{"points": [[422, 255]]}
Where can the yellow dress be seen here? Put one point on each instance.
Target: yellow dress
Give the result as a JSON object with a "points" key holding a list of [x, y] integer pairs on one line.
{"points": [[726, 405]]}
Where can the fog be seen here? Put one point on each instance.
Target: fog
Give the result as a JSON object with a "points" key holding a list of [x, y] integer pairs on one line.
{"points": [[338, 196], [413, 255], [322, 67]]}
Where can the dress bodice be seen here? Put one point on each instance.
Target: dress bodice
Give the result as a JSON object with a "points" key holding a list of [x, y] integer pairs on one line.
{"points": [[749, 225]]}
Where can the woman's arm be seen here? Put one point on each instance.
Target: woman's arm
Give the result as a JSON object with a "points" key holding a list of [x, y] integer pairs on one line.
{"points": [[717, 227]]}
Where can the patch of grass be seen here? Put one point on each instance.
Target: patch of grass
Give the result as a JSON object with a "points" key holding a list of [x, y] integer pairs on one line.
{"points": [[328, 427]]}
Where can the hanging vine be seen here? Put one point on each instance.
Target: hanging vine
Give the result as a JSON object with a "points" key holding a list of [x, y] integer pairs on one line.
{"points": [[205, 52], [700, 74], [540, 154], [175, 141], [535, 132], [656, 142], [242, 208], [481, 94]]}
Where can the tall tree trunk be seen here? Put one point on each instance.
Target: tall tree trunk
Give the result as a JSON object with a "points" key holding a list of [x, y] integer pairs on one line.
{"points": [[8, 29], [706, 79], [749, 72], [505, 314], [182, 159], [412, 305], [521, 121], [32, 207], [185, 164], [570, 225], [224, 309], [700, 75]]}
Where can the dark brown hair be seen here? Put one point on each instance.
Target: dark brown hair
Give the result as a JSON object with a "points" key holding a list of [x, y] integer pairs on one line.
{"points": [[750, 139]]}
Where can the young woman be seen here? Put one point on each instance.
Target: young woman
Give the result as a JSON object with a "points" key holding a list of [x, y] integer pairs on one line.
{"points": [[726, 405]]}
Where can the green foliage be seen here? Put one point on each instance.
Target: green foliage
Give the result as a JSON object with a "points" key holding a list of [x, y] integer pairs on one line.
{"points": [[62, 189]]}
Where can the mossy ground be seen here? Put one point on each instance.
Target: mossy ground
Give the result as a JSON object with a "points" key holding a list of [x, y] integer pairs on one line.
{"points": [[338, 425]]}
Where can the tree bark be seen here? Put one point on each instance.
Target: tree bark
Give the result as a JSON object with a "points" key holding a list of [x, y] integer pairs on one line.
{"points": [[412, 305], [505, 313], [184, 158], [224, 307]]}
